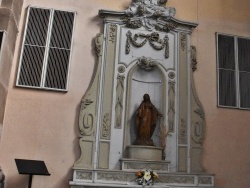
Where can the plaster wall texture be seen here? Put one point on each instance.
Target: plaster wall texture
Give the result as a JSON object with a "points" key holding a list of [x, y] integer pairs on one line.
{"points": [[43, 125]]}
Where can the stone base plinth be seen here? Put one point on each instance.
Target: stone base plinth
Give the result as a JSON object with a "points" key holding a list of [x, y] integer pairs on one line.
{"points": [[144, 152], [126, 179], [138, 164]]}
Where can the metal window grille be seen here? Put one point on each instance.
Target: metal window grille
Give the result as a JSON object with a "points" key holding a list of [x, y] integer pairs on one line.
{"points": [[233, 63], [46, 50]]}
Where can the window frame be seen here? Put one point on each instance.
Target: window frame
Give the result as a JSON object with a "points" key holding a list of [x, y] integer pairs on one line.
{"points": [[1, 45], [46, 53], [237, 72]]}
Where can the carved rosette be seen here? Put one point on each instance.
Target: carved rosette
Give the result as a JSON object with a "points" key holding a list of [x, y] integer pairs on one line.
{"points": [[121, 69], [153, 39], [119, 101]]}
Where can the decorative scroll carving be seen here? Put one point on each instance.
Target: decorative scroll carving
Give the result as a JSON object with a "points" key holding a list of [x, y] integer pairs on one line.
{"points": [[193, 58], [200, 112], [147, 63], [183, 41], [151, 38], [198, 132], [88, 115], [86, 103], [171, 106], [125, 177], [183, 132], [106, 125], [83, 175], [176, 179], [205, 180], [119, 101], [88, 120], [112, 32]]}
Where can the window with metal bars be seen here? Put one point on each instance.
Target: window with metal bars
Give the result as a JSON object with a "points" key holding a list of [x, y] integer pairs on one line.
{"points": [[45, 56], [233, 63]]}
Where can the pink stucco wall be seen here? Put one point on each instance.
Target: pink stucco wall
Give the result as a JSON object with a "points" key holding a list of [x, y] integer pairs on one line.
{"points": [[43, 124]]}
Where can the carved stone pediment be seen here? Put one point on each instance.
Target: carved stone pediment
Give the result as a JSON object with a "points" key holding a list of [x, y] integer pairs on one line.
{"points": [[151, 14]]}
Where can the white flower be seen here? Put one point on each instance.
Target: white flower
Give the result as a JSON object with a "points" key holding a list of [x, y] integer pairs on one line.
{"points": [[147, 175]]}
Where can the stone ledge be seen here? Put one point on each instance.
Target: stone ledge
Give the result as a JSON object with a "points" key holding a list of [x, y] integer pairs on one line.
{"points": [[137, 164], [110, 178]]}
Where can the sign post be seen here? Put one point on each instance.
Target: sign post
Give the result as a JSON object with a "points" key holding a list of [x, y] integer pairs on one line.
{"points": [[31, 167]]}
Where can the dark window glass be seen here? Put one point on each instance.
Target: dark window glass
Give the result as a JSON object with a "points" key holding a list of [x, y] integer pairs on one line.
{"points": [[226, 52], [227, 90], [244, 90]]}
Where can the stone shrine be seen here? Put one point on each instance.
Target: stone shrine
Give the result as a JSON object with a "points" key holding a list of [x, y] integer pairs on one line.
{"points": [[144, 49]]}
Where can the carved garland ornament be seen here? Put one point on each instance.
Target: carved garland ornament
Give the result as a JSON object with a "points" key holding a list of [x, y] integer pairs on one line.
{"points": [[193, 58], [112, 32], [98, 45], [119, 101], [171, 106], [105, 125], [183, 41], [151, 38]]}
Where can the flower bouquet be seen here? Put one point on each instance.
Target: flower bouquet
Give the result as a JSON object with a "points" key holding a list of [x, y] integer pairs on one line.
{"points": [[146, 177]]}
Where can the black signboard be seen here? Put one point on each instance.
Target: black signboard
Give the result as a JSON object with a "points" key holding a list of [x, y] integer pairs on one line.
{"points": [[31, 167]]}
